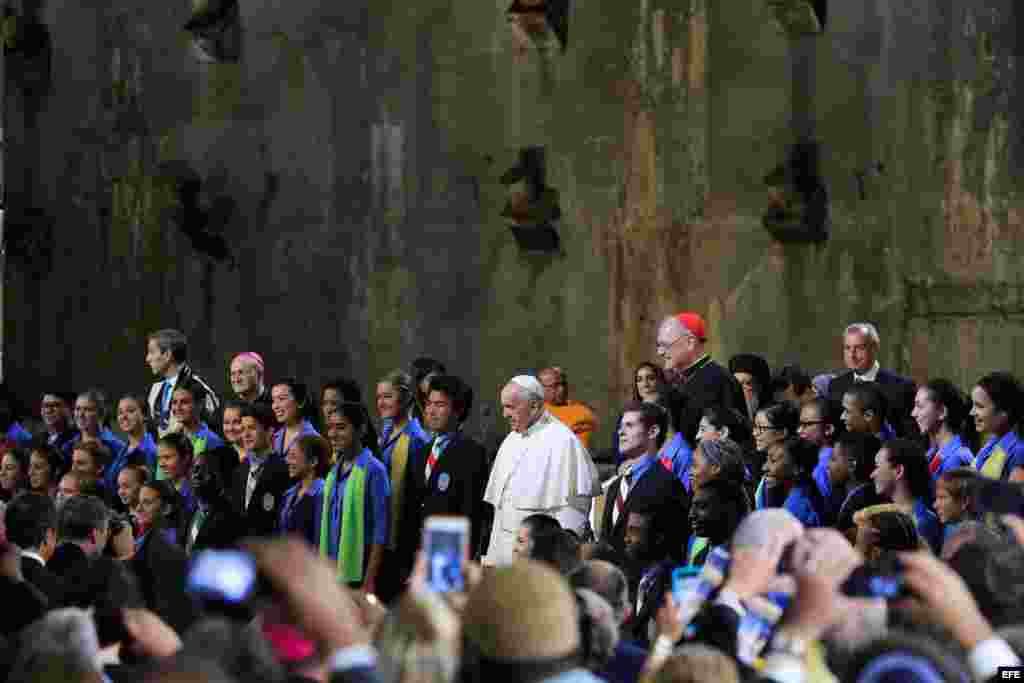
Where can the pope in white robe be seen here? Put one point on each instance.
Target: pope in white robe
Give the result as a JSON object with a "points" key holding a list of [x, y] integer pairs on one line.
{"points": [[541, 467]]}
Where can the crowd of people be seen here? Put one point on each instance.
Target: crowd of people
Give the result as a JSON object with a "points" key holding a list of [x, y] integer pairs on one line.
{"points": [[743, 524]]}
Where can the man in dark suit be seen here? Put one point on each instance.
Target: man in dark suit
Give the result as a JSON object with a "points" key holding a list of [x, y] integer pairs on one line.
{"points": [[644, 481], [692, 373], [448, 478], [214, 523], [31, 522], [83, 528], [260, 482], [860, 353]]}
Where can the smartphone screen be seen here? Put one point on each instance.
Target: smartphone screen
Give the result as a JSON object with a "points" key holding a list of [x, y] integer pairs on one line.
{"points": [[876, 582], [445, 543], [223, 575], [758, 624]]}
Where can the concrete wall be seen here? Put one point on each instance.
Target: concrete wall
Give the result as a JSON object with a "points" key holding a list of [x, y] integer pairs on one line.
{"points": [[363, 143]]}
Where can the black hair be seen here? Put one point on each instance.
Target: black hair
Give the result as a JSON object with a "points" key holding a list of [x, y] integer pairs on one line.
{"points": [[261, 413], [457, 391], [1007, 395], [54, 460], [804, 455], [757, 367], [347, 388], [222, 462], [423, 366], [80, 515], [28, 517], [559, 550], [897, 531], [316, 448], [179, 442], [829, 411], [861, 450], [299, 390], [958, 409], [782, 415], [870, 398], [910, 456], [651, 415], [792, 375], [738, 424], [170, 499]]}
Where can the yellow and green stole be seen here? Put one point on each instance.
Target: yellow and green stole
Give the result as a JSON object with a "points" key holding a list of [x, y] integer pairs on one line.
{"points": [[352, 542]]}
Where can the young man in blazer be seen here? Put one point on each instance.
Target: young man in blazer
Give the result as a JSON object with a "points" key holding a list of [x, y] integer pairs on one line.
{"points": [[449, 477], [259, 484], [644, 482]]}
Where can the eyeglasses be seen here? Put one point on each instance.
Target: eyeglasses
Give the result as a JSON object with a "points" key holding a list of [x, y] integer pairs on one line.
{"points": [[660, 346], [811, 423], [761, 429]]}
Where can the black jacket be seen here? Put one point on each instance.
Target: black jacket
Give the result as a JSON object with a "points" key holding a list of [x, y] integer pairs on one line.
{"points": [[260, 518], [93, 581], [160, 567], [660, 490], [898, 391], [48, 583], [222, 528], [706, 384], [456, 487]]}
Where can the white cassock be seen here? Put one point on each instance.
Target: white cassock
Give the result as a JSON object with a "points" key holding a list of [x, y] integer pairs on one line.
{"points": [[546, 470]]}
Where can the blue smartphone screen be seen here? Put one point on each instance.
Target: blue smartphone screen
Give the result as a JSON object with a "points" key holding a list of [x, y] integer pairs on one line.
{"points": [[228, 575], [444, 551]]}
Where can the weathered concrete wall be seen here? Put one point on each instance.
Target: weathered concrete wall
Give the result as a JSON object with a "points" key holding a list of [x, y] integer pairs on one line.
{"points": [[363, 143]]}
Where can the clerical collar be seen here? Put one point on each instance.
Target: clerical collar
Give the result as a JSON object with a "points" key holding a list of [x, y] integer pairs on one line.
{"points": [[868, 376], [696, 365]]}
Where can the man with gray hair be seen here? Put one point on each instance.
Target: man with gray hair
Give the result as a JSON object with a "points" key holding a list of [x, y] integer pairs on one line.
{"points": [[861, 344], [541, 467], [64, 642]]}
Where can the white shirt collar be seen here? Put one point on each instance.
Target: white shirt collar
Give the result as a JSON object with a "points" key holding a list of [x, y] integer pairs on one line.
{"points": [[34, 555], [868, 376]]}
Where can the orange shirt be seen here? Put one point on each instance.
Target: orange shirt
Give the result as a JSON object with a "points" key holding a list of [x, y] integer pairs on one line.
{"points": [[578, 417]]}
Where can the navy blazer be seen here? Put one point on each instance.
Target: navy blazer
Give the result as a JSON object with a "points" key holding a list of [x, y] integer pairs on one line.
{"points": [[456, 487]]}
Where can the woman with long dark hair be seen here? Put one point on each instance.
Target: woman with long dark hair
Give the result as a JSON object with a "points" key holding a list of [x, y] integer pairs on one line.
{"points": [[998, 412], [942, 414]]}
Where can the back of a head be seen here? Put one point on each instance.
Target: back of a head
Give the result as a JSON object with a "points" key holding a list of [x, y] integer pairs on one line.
{"points": [[861, 449], [901, 657], [607, 580], [599, 630], [64, 641], [419, 640], [760, 526], [698, 663], [27, 518], [239, 649], [559, 550], [521, 613], [80, 515]]}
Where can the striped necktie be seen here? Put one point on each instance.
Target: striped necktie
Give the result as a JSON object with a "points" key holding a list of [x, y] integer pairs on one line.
{"points": [[435, 454], [620, 499]]}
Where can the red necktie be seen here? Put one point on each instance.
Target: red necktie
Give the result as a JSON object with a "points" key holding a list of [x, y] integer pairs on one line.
{"points": [[435, 453]]}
